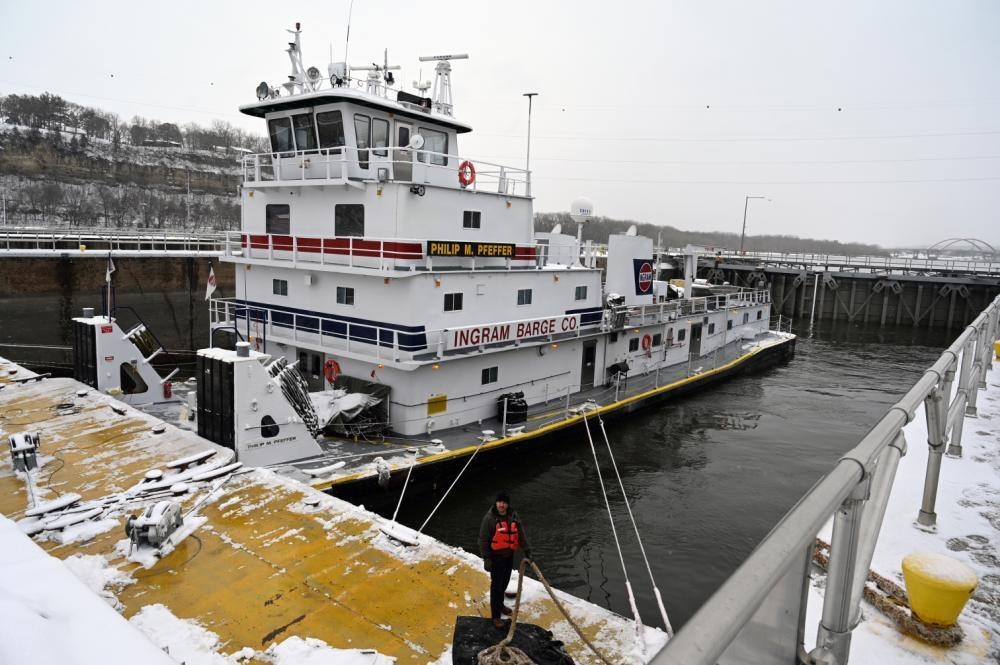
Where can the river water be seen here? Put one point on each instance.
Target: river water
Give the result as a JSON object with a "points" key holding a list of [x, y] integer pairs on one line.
{"points": [[707, 476]]}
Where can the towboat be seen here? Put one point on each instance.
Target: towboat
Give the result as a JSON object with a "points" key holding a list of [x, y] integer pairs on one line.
{"points": [[397, 313]]}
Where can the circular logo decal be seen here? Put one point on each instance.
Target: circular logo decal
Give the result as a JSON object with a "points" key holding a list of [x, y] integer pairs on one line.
{"points": [[645, 277]]}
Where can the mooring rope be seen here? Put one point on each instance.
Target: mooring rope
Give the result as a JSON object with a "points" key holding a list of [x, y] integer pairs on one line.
{"points": [[445, 495], [635, 527], [614, 532], [891, 599], [503, 654]]}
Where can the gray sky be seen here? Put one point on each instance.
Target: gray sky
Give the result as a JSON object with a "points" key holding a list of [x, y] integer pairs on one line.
{"points": [[862, 121]]}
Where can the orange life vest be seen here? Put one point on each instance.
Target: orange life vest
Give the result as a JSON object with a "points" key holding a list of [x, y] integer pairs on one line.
{"points": [[505, 536]]}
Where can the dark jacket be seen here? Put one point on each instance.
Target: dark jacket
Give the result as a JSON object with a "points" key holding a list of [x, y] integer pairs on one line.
{"points": [[488, 526]]}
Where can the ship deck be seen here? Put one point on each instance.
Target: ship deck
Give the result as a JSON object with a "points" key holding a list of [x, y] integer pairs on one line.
{"points": [[348, 466], [267, 558]]}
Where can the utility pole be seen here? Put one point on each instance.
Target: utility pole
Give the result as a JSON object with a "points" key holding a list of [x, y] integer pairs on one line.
{"points": [[527, 158], [746, 203]]}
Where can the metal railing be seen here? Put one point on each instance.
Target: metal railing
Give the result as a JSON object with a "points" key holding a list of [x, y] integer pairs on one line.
{"points": [[103, 241], [353, 251], [346, 164], [855, 494], [886, 263], [399, 342]]}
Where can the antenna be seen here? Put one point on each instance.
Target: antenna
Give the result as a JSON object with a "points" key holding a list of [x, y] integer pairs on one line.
{"points": [[347, 40], [442, 80]]}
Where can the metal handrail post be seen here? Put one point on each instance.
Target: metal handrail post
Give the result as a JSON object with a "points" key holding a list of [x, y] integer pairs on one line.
{"points": [[935, 441], [871, 522], [833, 637], [975, 352]]}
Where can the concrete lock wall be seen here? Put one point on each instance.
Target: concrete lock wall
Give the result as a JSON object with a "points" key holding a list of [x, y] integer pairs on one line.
{"points": [[930, 301], [40, 296]]}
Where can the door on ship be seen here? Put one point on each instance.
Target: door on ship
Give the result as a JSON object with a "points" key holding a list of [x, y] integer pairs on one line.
{"points": [[587, 366], [694, 349], [402, 159], [311, 369]]}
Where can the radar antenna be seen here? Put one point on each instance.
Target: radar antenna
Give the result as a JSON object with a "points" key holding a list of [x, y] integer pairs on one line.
{"points": [[378, 73], [442, 80]]}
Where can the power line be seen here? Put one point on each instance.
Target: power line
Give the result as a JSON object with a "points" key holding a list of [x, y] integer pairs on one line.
{"points": [[762, 139], [753, 162], [771, 182]]}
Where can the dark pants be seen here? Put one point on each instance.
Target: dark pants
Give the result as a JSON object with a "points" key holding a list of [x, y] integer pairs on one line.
{"points": [[500, 570]]}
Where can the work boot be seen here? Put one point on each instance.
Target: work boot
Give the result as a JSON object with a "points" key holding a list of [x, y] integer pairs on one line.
{"points": [[498, 624], [506, 611]]}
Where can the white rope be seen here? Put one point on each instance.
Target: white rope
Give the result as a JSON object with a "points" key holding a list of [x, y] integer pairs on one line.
{"points": [[621, 485], [614, 531], [405, 484], [445, 495]]}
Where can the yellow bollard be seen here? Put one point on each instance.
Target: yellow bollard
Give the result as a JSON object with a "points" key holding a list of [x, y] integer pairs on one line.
{"points": [[83, 248], [938, 587], [996, 348]]}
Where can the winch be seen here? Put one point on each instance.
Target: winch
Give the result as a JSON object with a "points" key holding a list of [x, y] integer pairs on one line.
{"points": [[154, 525]]}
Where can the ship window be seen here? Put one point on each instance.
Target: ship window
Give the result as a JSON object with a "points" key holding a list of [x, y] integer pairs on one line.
{"points": [[524, 296], [331, 130], [277, 218], [472, 219], [746, 316], [345, 295], [452, 302], [633, 344], [380, 136], [489, 375], [268, 428], [657, 339], [729, 324], [305, 131], [280, 130], [279, 287], [434, 141], [362, 134], [711, 328], [681, 334], [349, 220], [759, 312], [581, 293]]}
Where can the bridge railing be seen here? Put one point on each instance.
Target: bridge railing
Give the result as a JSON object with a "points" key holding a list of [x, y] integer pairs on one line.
{"points": [[102, 241], [758, 615]]}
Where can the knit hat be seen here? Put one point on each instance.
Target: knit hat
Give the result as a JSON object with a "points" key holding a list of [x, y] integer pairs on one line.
{"points": [[503, 495]]}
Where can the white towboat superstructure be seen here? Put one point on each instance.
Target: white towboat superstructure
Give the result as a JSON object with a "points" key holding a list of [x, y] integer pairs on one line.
{"points": [[377, 259]]}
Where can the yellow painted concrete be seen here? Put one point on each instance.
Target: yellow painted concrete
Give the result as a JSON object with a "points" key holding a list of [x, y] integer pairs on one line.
{"points": [[264, 566]]}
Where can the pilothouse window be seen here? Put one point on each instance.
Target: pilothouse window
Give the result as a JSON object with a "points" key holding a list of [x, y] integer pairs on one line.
{"points": [[434, 142], [280, 130], [305, 131], [380, 136], [331, 129], [362, 134]]}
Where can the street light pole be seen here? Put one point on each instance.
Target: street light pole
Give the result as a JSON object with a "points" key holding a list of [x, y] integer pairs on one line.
{"points": [[527, 158], [746, 204]]}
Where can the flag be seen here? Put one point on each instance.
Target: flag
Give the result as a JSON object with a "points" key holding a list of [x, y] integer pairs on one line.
{"points": [[110, 269], [210, 287]]}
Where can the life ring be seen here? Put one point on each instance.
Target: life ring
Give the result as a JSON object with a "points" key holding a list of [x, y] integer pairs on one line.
{"points": [[331, 370], [466, 173], [647, 342]]}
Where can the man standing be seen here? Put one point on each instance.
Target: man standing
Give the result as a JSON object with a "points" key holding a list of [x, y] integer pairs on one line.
{"points": [[501, 540]]}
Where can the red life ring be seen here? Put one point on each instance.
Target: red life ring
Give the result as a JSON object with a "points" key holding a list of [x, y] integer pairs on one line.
{"points": [[466, 173], [331, 370], [647, 342]]}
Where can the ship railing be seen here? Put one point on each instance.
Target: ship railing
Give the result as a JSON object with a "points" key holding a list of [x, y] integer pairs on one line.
{"points": [[758, 614], [885, 263], [344, 165], [96, 240], [670, 310], [261, 325], [361, 252]]}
